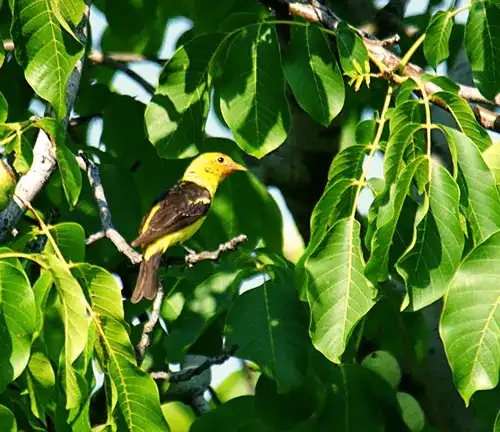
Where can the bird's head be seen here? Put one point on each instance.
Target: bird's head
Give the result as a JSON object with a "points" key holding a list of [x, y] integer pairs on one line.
{"points": [[209, 169]]}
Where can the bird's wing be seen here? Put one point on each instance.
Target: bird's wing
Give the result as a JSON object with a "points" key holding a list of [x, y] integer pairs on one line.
{"points": [[183, 205]]}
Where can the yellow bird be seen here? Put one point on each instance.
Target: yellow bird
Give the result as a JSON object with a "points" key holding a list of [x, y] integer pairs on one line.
{"points": [[177, 215]]}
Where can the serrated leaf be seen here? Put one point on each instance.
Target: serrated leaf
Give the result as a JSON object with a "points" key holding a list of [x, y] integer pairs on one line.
{"points": [[313, 74], [47, 53], [482, 43], [175, 117], [17, 322], [338, 293], [269, 326], [138, 405], [389, 213], [7, 420], [74, 316], [463, 115], [437, 38], [253, 100], [430, 264], [70, 239], [351, 50], [470, 323], [479, 196]]}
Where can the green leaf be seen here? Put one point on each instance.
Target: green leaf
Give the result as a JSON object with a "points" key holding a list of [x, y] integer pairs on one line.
{"points": [[211, 297], [482, 43], [463, 115], [47, 53], [389, 213], [411, 411], [470, 322], [478, 192], [239, 414], [437, 38], [74, 316], [7, 420], [269, 326], [175, 117], [24, 153], [252, 100], [338, 293], [71, 11], [70, 239], [313, 74], [492, 158], [429, 265], [138, 405], [351, 48], [17, 322], [4, 108], [68, 166]]}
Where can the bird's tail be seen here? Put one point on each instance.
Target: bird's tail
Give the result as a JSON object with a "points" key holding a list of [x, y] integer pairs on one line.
{"points": [[147, 282]]}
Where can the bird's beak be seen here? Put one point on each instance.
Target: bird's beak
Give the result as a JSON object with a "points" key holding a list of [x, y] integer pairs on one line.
{"points": [[236, 167]]}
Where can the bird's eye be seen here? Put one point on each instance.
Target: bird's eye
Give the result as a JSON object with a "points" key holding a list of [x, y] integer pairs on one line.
{"points": [[220, 159]]}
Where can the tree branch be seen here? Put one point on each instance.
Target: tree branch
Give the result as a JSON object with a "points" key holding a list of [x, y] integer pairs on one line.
{"points": [[143, 344], [44, 154], [194, 258], [100, 58], [315, 12], [188, 373], [109, 230]]}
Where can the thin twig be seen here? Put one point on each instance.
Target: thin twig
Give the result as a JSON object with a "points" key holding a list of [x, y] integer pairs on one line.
{"points": [[390, 41], [100, 58], [143, 344], [102, 204], [193, 258], [94, 237], [188, 373]]}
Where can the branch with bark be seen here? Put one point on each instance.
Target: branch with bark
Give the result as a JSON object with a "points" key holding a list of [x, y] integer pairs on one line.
{"points": [[317, 13], [44, 152]]}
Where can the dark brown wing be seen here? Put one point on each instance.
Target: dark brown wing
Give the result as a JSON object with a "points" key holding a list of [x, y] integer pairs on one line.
{"points": [[180, 207]]}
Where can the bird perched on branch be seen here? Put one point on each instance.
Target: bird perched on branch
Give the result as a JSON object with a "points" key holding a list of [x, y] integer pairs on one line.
{"points": [[178, 214]]}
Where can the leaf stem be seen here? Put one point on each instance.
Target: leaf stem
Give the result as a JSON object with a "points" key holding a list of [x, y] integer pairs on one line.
{"points": [[31, 257], [428, 121], [460, 9], [409, 54]]}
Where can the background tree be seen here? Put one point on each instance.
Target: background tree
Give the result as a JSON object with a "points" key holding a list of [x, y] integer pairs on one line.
{"points": [[387, 319]]}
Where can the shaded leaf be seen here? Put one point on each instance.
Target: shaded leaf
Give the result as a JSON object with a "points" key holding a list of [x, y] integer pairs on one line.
{"points": [[312, 72], [269, 326], [7, 420], [252, 100], [17, 322], [338, 293], [470, 323], [351, 49]]}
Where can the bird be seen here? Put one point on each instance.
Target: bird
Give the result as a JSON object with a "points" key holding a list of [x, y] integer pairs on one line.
{"points": [[177, 215]]}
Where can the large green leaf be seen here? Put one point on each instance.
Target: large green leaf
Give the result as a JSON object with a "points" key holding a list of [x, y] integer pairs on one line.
{"points": [[437, 38], [463, 115], [482, 42], [269, 326], [470, 323], [74, 316], [176, 116], [253, 99], [7, 420], [389, 213], [338, 292], [492, 158], [430, 263], [138, 405], [314, 76], [70, 239], [17, 322], [47, 53], [479, 196], [209, 299]]}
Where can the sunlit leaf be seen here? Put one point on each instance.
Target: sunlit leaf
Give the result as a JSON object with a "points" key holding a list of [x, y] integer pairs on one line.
{"points": [[311, 69], [470, 323], [252, 100], [437, 38], [70, 239]]}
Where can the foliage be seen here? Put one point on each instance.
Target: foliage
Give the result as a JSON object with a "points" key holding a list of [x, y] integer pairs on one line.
{"points": [[335, 340]]}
